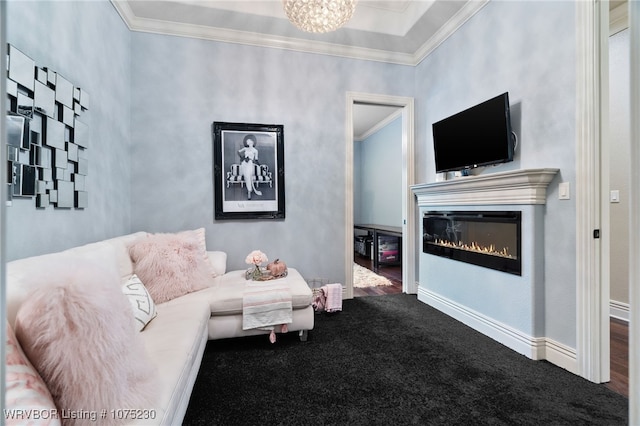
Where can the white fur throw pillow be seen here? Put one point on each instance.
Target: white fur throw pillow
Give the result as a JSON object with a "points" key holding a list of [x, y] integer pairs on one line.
{"points": [[171, 265], [77, 332]]}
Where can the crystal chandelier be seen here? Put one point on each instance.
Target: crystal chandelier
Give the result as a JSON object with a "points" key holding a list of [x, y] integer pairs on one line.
{"points": [[319, 16]]}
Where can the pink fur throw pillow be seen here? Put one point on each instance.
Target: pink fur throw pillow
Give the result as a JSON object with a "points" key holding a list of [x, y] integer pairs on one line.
{"points": [[78, 333], [171, 265]]}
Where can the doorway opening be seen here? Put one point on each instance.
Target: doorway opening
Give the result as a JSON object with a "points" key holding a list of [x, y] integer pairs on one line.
{"points": [[406, 251], [619, 145]]}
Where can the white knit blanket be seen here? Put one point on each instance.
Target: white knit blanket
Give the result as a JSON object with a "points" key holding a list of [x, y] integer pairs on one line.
{"points": [[265, 305]]}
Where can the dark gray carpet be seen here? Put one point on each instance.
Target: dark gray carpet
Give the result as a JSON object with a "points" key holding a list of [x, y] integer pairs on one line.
{"points": [[390, 360]]}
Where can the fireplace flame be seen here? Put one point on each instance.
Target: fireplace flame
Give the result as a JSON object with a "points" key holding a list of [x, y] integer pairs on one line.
{"points": [[475, 247]]}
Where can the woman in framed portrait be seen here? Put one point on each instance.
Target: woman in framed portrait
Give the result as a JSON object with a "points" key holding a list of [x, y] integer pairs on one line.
{"points": [[249, 156]]}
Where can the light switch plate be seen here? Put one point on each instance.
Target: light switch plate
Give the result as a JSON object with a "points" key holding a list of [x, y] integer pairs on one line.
{"points": [[564, 191], [614, 196]]}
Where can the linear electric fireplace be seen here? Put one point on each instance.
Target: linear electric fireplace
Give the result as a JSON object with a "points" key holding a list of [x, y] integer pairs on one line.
{"points": [[485, 238]]}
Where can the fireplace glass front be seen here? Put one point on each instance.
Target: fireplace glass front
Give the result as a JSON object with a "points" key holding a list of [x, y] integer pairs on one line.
{"points": [[489, 239]]}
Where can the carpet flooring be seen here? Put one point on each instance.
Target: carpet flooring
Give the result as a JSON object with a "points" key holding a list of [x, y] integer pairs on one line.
{"points": [[390, 360]]}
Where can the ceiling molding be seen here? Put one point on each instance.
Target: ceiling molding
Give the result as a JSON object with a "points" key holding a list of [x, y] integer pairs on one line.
{"points": [[380, 125], [125, 12], [618, 18], [450, 27], [156, 26]]}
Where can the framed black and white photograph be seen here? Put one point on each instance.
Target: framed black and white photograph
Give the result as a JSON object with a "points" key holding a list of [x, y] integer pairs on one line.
{"points": [[248, 170]]}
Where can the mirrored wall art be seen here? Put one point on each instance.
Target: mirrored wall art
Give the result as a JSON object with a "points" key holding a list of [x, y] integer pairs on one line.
{"points": [[46, 143]]}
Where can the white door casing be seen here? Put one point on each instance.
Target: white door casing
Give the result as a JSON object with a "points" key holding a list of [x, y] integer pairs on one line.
{"points": [[592, 181], [408, 177]]}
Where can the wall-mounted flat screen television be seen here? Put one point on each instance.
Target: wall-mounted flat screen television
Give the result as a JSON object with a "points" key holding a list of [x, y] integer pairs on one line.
{"points": [[478, 136]]}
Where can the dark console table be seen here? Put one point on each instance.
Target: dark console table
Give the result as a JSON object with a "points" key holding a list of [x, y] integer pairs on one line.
{"points": [[377, 231]]}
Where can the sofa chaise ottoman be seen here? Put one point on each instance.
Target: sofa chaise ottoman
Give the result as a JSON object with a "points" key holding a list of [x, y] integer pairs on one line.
{"points": [[175, 338]]}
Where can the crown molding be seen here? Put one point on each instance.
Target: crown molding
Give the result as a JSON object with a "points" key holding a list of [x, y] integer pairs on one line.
{"points": [[452, 25], [154, 26], [255, 39], [124, 10], [619, 19], [378, 126]]}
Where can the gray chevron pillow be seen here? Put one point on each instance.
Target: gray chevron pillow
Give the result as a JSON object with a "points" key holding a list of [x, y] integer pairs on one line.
{"points": [[142, 305]]}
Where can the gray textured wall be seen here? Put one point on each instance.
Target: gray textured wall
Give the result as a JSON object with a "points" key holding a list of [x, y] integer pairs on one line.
{"points": [[379, 181], [89, 45], [527, 49], [180, 86], [620, 145]]}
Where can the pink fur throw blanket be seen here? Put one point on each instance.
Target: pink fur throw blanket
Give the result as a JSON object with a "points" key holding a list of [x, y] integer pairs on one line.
{"points": [[24, 388], [172, 265], [79, 333]]}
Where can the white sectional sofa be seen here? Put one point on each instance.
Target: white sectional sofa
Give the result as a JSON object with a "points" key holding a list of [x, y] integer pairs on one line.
{"points": [[176, 338]]}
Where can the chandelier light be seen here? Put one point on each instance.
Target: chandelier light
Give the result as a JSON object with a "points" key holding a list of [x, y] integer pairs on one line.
{"points": [[319, 16]]}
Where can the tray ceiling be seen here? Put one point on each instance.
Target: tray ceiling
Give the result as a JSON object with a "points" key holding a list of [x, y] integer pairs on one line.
{"points": [[396, 31]]}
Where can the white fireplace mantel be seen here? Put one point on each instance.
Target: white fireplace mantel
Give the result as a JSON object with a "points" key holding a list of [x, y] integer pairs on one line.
{"points": [[511, 187]]}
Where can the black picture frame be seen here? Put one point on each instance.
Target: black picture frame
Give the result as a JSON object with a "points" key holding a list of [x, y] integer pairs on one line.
{"points": [[234, 158]]}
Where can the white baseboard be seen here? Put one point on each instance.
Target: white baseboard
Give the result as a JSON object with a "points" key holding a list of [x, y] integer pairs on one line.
{"points": [[536, 348], [619, 310], [561, 355]]}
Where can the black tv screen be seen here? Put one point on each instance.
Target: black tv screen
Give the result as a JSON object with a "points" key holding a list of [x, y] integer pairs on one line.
{"points": [[478, 136]]}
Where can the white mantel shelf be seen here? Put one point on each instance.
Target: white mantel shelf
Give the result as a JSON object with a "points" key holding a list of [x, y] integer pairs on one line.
{"points": [[511, 187]]}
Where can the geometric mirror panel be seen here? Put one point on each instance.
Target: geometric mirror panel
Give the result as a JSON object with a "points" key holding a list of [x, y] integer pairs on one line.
{"points": [[55, 134], [64, 91], [65, 194], [15, 130], [46, 144], [45, 99], [21, 68]]}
